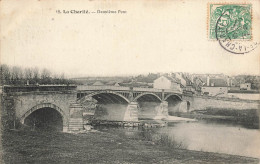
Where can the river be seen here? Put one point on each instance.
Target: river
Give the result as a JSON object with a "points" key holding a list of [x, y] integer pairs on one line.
{"points": [[201, 136]]}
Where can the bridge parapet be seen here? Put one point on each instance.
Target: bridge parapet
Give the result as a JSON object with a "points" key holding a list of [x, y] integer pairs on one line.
{"points": [[135, 89], [38, 88], [95, 88]]}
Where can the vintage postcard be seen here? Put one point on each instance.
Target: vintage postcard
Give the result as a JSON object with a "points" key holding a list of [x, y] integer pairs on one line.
{"points": [[120, 81]]}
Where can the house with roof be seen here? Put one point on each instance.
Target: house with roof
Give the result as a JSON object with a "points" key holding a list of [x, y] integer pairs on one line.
{"points": [[98, 83], [190, 86], [243, 91], [215, 87], [166, 82], [181, 78], [136, 84], [198, 83], [113, 83], [245, 86]]}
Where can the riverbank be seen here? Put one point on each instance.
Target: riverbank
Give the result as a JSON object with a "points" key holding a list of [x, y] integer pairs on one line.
{"points": [[99, 147], [248, 118]]}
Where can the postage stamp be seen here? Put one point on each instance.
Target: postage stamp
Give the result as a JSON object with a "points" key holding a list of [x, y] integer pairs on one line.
{"points": [[231, 26], [230, 21]]}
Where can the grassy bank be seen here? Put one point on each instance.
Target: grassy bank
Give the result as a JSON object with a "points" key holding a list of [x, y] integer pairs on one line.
{"points": [[247, 117], [99, 147]]}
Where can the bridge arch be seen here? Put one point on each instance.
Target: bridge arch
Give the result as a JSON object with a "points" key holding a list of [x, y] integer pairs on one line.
{"points": [[175, 104], [147, 96], [106, 97], [172, 95], [49, 107]]}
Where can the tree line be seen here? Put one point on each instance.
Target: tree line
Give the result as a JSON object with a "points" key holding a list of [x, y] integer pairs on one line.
{"points": [[147, 78], [14, 75]]}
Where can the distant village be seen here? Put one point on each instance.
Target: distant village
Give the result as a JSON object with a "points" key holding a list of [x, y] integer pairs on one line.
{"points": [[215, 85]]}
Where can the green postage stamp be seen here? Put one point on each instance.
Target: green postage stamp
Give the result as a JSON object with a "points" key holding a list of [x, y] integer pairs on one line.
{"points": [[230, 21]]}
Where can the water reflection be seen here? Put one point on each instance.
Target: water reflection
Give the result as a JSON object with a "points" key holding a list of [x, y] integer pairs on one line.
{"points": [[201, 136], [219, 138]]}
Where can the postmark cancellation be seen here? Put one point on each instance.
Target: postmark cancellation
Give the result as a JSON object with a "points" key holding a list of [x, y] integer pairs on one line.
{"points": [[231, 26], [232, 21]]}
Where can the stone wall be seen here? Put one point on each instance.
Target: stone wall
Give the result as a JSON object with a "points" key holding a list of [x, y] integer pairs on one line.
{"points": [[202, 103], [245, 96], [7, 113]]}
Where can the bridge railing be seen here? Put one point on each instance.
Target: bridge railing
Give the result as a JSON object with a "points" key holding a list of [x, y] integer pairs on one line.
{"points": [[8, 89], [156, 90], [103, 87], [83, 87], [174, 90], [37, 88]]}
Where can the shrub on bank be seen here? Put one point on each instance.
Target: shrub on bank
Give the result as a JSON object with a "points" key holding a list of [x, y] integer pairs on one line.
{"points": [[246, 116]]}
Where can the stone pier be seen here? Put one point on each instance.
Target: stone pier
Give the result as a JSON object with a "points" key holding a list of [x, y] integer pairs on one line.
{"points": [[162, 111], [131, 113], [75, 118]]}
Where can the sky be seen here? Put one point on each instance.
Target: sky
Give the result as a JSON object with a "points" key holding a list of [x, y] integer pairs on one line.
{"points": [[152, 36]]}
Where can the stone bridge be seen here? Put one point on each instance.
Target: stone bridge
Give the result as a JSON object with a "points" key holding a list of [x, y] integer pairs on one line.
{"points": [[67, 103], [131, 104], [114, 103]]}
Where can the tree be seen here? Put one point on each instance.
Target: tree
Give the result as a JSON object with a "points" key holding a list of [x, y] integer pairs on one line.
{"points": [[17, 75], [35, 73], [5, 75], [62, 79], [45, 76], [28, 74]]}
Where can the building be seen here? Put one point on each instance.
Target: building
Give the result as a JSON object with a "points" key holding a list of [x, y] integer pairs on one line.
{"points": [[113, 83], [198, 84], [165, 82], [98, 83], [190, 86], [136, 84], [181, 78], [234, 84], [189, 89], [215, 87], [245, 86]]}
